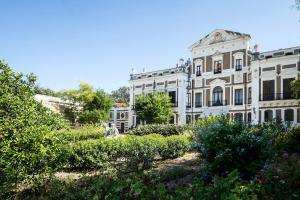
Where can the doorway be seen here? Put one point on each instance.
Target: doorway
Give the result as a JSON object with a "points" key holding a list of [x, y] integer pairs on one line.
{"points": [[122, 127]]}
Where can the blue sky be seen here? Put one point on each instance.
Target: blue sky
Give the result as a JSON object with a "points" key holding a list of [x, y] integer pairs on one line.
{"points": [[65, 41]]}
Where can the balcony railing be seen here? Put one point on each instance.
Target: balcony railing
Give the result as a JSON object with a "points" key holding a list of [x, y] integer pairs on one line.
{"points": [[238, 102], [198, 104], [276, 96], [238, 67], [217, 71], [249, 100], [217, 103], [188, 105], [174, 104]]}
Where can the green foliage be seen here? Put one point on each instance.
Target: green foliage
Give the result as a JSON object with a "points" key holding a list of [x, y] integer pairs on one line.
{"points": [[27, 148], [121, 95], [96, 105], [161, 129], [289, 140], [129, 153], [45, 91], [154, 108], [146, 185], [228, 145], [82, 133], [296, 86]]}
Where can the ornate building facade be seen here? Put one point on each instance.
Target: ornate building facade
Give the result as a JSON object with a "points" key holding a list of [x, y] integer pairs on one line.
{"points": [[225, 75]]}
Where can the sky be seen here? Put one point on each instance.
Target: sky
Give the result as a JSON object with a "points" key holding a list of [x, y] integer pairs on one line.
{"points": [[67, 41]]}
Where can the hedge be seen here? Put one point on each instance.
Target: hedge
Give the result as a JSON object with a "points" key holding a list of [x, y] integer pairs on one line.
{"points": [[130, 153], [81, 133], [162, 129]]}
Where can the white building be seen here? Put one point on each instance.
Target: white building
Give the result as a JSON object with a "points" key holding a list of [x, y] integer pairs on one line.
{"points": [[119, 115], [226, 76]]}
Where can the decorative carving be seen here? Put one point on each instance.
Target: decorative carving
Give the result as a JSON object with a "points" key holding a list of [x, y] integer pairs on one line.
{"points": [[217, 38]]}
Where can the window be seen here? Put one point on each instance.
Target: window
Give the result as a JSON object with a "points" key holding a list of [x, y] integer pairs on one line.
{"points": [[287, 92], [217, 96], [198, 70], [188, 119], [249, 117], [238, 100], [172, 95], [238, 117], [218, 66], [197, 117], [268, 115], [238, 64], [188, 103], [268, 90], [198, 100], [289, 115], [249, 95]]}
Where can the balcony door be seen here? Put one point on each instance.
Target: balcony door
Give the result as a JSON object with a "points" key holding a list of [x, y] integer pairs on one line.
{"points": [[287, 92], [217, 96], [268, 90]]}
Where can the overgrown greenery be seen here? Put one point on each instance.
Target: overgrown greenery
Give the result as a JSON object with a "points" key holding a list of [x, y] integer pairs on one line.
{"points": [[161, 129], [154, 108], [27, 148]]}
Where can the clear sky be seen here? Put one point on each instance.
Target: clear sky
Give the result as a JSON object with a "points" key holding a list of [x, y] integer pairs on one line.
{"points": [[65, 41]]}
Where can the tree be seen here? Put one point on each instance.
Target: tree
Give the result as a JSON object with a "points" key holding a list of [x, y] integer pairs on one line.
{"points": [[121, 95], [296, 88], [154, 108], [90, 106], [45, 91], [297, 4], [27, 148]]}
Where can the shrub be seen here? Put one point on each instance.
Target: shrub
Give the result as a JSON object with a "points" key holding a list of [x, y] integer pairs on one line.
{"points": [[129, 153], [289, 140], [82, 133], [27, 148], [165, 130], [227, 145]]}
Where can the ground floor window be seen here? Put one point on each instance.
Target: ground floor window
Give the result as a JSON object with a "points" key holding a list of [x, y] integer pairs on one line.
{"points": [[249, 117], [268, 115], [188, 119], [238, 117], [289, 115]]}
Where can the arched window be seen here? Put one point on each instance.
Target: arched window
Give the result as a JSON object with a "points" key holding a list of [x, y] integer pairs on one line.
{"points": [[217, 96], [289, 115], [249, 117], [268, 115], [238, 117]]}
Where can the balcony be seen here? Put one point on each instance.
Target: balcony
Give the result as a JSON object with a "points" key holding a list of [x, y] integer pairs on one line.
{"points": [[217, 103], [276, 96], [217, 71], [198, 104], [238, 67], [198, 73], [174, 104], [238, 102]]}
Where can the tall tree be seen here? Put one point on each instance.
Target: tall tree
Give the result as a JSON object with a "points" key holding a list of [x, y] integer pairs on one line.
{"points": [[154, 108], [121, 95]]}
